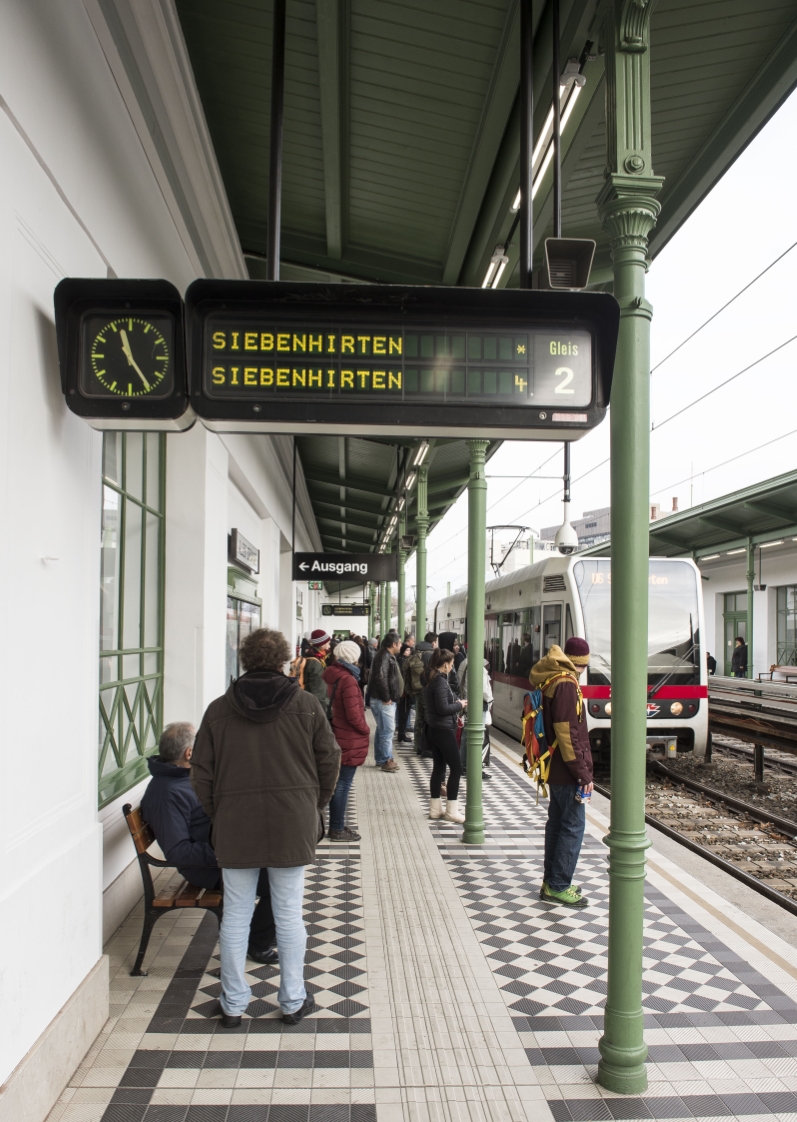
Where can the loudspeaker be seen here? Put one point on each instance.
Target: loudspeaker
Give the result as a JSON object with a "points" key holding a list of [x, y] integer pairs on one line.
{"points": [[569, 261]]}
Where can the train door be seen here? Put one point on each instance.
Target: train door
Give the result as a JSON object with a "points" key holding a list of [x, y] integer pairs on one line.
{"points": [[735, 619], [536, 632], [510, 636], [551, 626]]}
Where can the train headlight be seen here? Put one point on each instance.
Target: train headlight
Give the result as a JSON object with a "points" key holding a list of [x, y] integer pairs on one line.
{"points": [[676, 709], [607, 709], [594, 709]]}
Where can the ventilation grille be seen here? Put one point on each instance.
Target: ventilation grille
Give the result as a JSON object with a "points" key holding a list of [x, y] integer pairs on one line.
{"points": [[562, 273], [553, 584]]}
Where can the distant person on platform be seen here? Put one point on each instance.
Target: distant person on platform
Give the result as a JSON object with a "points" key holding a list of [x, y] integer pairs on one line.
{"points": [[265, 765], [739, 659], [404, 706], [351, 731], [416, 667], [172, 810], [315, 664], [385, 687], [711, 663], [526, 659], [565, 718]]}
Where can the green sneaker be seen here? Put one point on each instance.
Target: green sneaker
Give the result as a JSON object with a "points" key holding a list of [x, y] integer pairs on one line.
{"points": [[571, 897], [545, 889]]}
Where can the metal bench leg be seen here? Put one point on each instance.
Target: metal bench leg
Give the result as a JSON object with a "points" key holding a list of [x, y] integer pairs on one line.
{"points": [[149, 923]]}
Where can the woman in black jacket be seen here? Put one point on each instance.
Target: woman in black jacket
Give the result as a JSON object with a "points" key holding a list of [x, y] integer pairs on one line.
{"points": [[739, 660], [441, 715]]}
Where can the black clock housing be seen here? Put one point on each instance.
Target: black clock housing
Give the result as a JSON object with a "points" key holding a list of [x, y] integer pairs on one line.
{"points": [[121, 351]]}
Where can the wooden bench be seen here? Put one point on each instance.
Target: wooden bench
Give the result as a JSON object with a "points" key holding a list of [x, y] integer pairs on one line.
{"points": [[157, 904]]}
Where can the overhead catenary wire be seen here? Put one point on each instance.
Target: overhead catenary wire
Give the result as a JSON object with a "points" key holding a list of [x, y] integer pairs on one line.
{"points": [[732, 460], [727, 304]]}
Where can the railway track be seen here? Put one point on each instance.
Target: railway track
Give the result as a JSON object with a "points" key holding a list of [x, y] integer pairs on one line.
{"points": [[778, 762], [746, 841]]}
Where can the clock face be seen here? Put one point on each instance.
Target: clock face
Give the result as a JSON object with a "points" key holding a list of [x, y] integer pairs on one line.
{"points": [[127, 356]]}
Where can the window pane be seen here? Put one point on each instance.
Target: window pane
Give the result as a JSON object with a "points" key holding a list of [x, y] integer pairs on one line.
{"points": [[131, 666], [112, 456], [109, 571], [154, 445], [109, 668], [152, 663], [134, 464], [132, 576], [152, 608]]}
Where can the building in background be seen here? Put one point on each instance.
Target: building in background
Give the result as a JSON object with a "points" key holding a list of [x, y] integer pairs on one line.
{"points": [[594, 526]]}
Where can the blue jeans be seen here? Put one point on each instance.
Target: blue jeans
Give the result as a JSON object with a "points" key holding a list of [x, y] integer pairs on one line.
{"points": [[385, 717], [337, 804], [287, 894], [564, 832]]}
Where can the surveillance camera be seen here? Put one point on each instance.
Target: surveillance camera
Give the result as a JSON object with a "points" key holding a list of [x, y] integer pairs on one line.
{"points": [[566, 540]]}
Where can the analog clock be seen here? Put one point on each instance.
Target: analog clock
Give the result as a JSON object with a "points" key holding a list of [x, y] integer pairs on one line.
{"points": [[128, 356]]}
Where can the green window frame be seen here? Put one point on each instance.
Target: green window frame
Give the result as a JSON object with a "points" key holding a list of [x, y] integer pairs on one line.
{"points": [[787, 625], [131, 607]]}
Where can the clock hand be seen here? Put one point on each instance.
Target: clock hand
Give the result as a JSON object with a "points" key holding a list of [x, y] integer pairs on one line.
{"points": [[131, 361]]}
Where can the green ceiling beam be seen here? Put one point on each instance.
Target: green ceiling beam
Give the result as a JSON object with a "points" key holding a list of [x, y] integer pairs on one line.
{"points": [[332, 34], [328, 512], [353, 484], [771, 510], [492, 126], [752, 109]]}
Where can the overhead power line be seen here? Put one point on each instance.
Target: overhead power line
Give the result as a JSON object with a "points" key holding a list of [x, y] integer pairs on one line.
{"points": [[724, 306], [655, 427], [732, 460]]}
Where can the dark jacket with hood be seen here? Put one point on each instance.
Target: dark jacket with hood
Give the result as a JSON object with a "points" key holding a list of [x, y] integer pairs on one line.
{"points": [[385, 681], [739, 661], [572, 760], [181, 827], [440, 704], [265, 763], [348, 714], [417, 663]]}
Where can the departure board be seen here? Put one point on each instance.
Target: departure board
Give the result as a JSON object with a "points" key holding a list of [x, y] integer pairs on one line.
{"points": [[386, 363], [394, 360]]}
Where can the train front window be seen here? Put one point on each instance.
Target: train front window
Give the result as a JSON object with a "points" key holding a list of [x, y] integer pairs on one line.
{"points": [[673, 638]]}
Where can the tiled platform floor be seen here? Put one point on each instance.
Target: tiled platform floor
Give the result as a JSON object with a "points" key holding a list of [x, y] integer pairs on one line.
{"points": [[449, 991]]}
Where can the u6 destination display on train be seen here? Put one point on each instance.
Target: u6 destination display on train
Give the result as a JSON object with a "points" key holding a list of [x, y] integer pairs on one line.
{"points": [[354, 358]]}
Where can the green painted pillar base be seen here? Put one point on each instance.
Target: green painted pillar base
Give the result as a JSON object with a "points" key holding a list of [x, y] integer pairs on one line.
{"points": [[474, 729]]}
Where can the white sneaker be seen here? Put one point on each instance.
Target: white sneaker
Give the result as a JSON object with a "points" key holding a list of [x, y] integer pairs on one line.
{"points": [[452, 813], [435, 808]]}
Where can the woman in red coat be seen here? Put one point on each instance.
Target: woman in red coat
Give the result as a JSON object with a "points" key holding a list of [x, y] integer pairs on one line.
{"points": [[351, 732]]}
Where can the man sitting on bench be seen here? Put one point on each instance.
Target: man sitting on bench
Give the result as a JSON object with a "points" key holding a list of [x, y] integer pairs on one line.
{"points": [[182, 830]]}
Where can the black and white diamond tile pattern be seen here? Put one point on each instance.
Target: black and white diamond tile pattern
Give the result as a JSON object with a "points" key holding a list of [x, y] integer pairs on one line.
{"points": [[264, 1071], [551, 964]]}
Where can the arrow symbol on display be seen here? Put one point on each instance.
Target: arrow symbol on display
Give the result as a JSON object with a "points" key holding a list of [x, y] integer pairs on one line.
{"points": [[304, 566]]}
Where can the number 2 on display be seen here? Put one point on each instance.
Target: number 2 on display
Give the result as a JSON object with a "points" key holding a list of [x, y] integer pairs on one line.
{"points": [[561, 388]]}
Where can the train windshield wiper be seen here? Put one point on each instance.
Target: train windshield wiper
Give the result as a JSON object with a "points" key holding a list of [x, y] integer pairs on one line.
{"points": [[653, 690]]}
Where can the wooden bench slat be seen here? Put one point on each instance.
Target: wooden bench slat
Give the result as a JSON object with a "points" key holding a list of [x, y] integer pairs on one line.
{"points": [[210, 899], [188, 897], [142, 834], [166, 898]]}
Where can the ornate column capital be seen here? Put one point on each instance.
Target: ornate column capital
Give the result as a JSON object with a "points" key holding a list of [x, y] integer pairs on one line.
{"points": [[628, 209]]}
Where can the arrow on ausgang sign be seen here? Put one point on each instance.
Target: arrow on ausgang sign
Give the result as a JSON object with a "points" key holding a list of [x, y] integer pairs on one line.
{"points": [[353, 568]]}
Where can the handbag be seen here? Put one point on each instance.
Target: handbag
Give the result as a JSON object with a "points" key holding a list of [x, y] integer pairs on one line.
{"points": [[459, 728]]}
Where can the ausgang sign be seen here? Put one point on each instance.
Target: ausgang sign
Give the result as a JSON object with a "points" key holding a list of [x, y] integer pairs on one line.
{"points": [[349, 567], [382, 359]]}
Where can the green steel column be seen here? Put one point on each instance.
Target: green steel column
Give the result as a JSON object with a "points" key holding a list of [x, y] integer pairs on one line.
{"points": [[750, 580], [628, 209], [372, 629], [384, 609], [422, 523], [402, 561], [474, 729]]}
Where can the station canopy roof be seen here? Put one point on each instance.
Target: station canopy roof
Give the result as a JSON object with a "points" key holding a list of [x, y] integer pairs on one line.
{"points": [[402, 142], [761, 513]]}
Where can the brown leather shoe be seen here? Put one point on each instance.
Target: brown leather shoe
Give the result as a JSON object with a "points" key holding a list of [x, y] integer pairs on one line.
{"points": [[390, 765]]}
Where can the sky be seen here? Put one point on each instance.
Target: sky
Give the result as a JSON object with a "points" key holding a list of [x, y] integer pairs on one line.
{"points": [[730, 439]]}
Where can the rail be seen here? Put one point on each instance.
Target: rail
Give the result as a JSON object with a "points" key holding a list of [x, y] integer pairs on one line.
{"points": [[762, 713]]}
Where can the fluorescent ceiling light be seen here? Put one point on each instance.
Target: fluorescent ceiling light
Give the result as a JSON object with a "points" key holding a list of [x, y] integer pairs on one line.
{"points": [[768, 545], [710, 557], [545, 142], [420, 455], [401, 503], [498, 262], [731, 552], [411, 481]]}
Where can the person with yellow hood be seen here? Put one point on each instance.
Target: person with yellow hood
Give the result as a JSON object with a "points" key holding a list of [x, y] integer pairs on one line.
{"points": [[565, 719]]}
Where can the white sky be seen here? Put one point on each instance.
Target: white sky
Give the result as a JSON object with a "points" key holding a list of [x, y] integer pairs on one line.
{"points": [[744, 224]]}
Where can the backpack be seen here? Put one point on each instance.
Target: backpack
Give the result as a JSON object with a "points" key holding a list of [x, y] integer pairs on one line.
{"points": [[297, 669], [537, 756]]}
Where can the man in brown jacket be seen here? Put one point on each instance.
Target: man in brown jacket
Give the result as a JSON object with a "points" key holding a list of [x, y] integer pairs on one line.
{"points": [[265, 764], [567, 740]]}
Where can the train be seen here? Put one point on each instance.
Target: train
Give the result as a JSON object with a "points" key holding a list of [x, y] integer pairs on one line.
{"points": [[528, 610]]}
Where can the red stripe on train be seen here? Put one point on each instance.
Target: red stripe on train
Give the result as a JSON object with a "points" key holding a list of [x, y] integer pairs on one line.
{"points": [[665, 693]]}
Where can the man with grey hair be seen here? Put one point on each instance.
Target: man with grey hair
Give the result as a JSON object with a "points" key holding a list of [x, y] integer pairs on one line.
{"points": [[182, 829]]}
